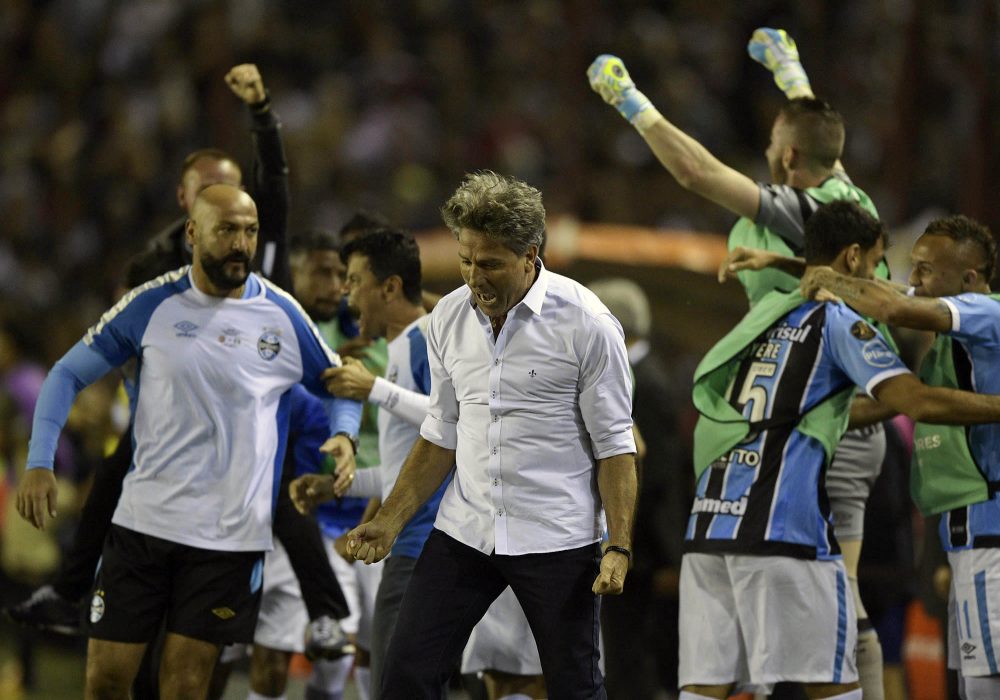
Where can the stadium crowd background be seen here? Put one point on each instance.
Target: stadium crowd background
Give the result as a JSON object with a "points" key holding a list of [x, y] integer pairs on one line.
{"points": [[386, 104]]}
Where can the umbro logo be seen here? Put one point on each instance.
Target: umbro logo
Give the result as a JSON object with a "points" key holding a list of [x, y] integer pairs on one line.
{"points": [[968, 648], [223, 613], [185, 329]]}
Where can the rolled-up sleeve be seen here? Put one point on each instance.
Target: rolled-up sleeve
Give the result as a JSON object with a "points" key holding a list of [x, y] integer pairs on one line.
{"points": [[441, 424], [606, 389]]}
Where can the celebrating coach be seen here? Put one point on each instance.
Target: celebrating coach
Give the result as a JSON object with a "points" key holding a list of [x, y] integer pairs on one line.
{"points": [[531, 401]]}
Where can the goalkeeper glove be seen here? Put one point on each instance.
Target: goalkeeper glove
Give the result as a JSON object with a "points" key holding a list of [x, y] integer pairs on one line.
{"points": [[776, 51], [609, 79]]}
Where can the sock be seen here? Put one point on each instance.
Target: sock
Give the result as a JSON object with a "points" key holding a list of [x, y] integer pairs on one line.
{"points": [[328, 678], [257, 696], [363, 681], [978, 687], [870, 662]]}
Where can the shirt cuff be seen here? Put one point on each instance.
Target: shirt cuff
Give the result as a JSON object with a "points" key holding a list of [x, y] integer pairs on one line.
{"points": [[381, 391], [956, 318], [882, 376], [440, 433], [613, 445]]}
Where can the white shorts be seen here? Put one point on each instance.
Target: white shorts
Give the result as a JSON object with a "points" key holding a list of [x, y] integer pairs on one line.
{"points": [[758, 620], [974, 612], [283, 617], [502, 641]]}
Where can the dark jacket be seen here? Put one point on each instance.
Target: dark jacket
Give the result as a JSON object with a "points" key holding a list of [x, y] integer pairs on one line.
{"points": [[268, 187]]}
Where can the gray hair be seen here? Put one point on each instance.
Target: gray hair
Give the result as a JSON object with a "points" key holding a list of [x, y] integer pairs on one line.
{"points": [[627, 302], [499, 207]]}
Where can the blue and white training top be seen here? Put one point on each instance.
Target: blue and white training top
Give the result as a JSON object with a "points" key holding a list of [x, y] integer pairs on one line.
{"points": [[403, 397], [769, 496], [211, 405], [975, 330]]}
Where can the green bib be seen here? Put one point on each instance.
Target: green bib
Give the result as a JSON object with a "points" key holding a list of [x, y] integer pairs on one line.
{"points": [[720, 426], [944, 474], [750, 235], [375, 359]]}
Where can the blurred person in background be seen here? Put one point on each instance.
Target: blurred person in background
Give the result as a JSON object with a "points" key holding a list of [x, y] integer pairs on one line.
{"points": [[640, 626], [806, 143]]}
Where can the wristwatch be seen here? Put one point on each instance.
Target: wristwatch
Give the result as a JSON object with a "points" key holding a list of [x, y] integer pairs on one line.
{"points": [[621, 550]]}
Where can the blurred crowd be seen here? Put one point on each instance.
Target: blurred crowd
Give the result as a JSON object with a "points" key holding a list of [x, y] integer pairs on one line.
{"points": [[386, 104]]}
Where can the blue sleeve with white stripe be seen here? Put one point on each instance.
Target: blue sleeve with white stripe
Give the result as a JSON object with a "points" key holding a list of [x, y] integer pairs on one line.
{"points": [[858, 349], [420, 368], [78, 368], [975, 318]]}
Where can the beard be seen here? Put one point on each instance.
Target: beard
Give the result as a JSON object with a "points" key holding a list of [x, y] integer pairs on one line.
{"points": [[215, 270]]}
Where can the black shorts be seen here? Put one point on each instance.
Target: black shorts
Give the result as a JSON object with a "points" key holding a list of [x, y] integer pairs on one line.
{"points": [[203, 594]]}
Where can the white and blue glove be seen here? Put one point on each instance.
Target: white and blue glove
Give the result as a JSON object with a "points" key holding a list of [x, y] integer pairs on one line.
{"points": [[609, 78], [776, 51]]}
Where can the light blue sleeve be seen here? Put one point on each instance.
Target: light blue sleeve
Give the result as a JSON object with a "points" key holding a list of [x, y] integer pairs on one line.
{"points": [[974, 318], [78, 368], [859, 350]]}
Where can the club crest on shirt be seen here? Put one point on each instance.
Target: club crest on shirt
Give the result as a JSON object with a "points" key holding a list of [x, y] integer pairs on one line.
{"points": [[862, 331], [230, 337], [268, 345]]}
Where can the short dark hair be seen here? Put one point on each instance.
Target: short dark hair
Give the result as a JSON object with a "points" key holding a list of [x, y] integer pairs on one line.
{"points": [[390, 252], [364, 221], [962, 229], [213, 153], [148, 265], [819, 130], [312, 240], [837, 225]]}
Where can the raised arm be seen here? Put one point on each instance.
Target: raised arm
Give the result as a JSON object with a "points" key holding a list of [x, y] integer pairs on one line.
{"points": [[778, 52], [880, 300], [269, 182], [691, 164], [742, 259]]}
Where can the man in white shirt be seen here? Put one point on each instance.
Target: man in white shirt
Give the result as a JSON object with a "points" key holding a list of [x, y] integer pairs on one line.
{"points": [[531, 401], [218, 350]]}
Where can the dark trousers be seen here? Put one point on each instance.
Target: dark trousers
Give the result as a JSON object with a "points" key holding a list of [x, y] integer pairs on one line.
{"points": [[298, 533], [453, 586]]}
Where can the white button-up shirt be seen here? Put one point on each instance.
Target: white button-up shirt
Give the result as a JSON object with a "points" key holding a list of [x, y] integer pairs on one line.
{"points": [[528, 415]]}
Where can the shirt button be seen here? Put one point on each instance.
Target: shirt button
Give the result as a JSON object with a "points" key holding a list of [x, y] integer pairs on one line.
{"points": [[493, 394], [496, 361], [496, 418], [496, 482], [500, 512], [494, 450]]}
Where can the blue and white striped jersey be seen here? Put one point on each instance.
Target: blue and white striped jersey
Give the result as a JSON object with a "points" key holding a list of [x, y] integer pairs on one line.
{"points": [[211, 405], [975, 332], [767, 496]]}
